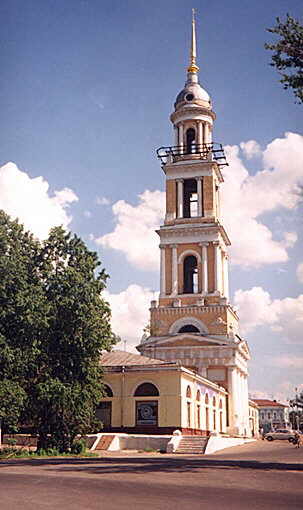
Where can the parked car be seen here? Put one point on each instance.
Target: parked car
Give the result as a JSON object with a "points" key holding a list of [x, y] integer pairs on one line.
{"points": [[280, 434]]}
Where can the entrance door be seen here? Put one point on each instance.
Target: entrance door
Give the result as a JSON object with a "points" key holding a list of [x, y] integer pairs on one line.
{"points": [[104, 414]]}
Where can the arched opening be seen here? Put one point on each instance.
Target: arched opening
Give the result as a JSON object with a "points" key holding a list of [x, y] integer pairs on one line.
{"points": [[190, 198], [146, 390], [190, 276], [188, 392], [206, 399], [214, 402], [189, 328], [190, 141], [107, 391], [198, 397]]}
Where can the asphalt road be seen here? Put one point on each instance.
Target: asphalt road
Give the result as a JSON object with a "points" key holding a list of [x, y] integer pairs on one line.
{"points": [[255, 476]]}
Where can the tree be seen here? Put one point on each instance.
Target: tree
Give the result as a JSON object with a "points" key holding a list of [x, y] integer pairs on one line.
{"points": [[288, 54], [53, 326]]}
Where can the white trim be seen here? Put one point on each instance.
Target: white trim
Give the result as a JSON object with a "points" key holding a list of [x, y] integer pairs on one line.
{"points": [[189, 252], [184, 321]]}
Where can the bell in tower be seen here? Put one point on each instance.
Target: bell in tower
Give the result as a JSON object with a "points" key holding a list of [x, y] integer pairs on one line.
{"points": [[194, 322]]}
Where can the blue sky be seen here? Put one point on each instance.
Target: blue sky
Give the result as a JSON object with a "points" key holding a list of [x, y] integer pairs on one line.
{"points": [[86, 92]]}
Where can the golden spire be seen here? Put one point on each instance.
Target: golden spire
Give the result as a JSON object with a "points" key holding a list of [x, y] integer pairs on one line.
{"points": [[193, 68]]}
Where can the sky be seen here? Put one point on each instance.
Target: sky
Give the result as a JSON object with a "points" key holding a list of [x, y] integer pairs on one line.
{"points": [[87, 87]]}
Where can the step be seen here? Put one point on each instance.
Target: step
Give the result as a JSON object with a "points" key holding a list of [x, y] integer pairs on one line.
{"points": [[192, 445]]}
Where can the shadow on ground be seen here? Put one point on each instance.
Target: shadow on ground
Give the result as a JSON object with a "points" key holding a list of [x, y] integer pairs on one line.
{"points": [[145, 464]]}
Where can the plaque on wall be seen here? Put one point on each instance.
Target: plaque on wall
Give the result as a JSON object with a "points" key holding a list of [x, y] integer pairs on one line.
{"points": [[147, 412]]}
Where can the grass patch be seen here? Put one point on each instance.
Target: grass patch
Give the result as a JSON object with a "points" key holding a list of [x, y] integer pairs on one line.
{"points": [[10, 452]]}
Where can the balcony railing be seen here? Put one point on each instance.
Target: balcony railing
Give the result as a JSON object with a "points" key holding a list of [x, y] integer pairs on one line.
{"points": [[206, 151]]}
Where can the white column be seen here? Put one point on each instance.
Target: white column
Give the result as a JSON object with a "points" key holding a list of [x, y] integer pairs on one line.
{"points": [[176, 142], [181, 136], [174, 280], [206, 132], [233, 400], [226, 282], [200, 134], [210, 133], [200, 197], [218, 269], [180, 198], [241, 403], [203, 132], [204, 269], [246, 406], [162, 271]]}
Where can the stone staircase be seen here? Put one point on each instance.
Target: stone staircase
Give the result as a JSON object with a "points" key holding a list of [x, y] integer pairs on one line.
{"points": [[192, 445]]}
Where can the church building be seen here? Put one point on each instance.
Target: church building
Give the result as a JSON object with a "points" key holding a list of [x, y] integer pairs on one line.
{"points": [[194, 332]]}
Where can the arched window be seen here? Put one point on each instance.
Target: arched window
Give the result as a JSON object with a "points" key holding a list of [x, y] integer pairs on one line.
{"points": [[214, 401], [220, 405], [107, 392], [198, 397], [190, 270], [190, 141], [188, 392], [190, 198], [206, 399], [146, 390], [189, 328]]}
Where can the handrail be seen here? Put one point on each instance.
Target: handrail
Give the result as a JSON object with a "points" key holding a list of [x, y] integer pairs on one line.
{"points": [[205, 151]]}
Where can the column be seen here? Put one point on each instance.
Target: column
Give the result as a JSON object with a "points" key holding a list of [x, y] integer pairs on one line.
{"points": [[241, 403], [218, 268], [206, 132], [233, 400], [246, 406], [162, 271], [200, 196], [176, 142], [174, 268], [200, 134], [181, 137], [180, 198], [204, 269], [226, 282], [210, 138]]}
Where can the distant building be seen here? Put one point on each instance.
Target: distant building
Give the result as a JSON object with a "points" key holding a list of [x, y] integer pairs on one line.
{"points": [[272, 414]]}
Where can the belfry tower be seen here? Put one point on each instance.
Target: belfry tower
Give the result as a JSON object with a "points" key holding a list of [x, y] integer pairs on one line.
{"points": [[194, 322]]}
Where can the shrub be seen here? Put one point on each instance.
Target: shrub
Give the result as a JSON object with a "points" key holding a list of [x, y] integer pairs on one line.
{"points": [[78, 446]]}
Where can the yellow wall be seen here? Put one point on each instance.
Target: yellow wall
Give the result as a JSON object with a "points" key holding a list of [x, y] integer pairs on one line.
{"points": [[172, 401]]}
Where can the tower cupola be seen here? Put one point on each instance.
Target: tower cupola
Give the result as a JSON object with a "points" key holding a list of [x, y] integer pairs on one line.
{"points": [[193, 94]]}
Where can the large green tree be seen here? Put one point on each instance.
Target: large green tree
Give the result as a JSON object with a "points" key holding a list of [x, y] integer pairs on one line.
{"points": [[53, 326], [288, 54]]}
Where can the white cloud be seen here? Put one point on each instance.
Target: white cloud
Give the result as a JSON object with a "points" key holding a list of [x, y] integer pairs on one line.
{"points": [[290, 239], [245, 199], [130, 313], [287, 361], [281, 392], [251, 149], [300, 272], [102, 201], [254, 308], [134, 233], [28, 199], [284, 316]]}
